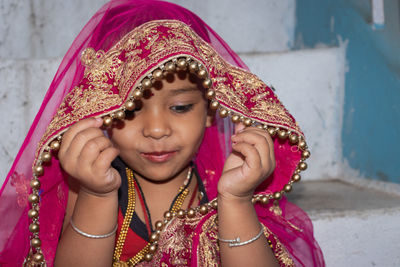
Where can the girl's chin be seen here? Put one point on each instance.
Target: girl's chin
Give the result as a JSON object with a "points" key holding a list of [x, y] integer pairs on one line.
{"points": [[159, 173]]}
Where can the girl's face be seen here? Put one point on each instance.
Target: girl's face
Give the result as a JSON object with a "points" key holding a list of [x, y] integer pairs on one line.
{"points": [[162, 135]]}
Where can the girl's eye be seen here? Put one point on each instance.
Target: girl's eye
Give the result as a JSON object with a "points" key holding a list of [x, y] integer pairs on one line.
{"points": [[182, 108]]}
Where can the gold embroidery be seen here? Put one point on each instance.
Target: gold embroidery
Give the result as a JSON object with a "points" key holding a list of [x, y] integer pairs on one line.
{"points": [[175, 242], [208, 251], [280, 252], [110, 76], [22, 188], [276, 209]]}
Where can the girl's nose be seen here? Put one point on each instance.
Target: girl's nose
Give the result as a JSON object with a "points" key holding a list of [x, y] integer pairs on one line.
{"points": [[156, 126]]}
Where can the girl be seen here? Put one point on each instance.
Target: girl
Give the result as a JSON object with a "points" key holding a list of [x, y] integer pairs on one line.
{"points": [[133, 168]]}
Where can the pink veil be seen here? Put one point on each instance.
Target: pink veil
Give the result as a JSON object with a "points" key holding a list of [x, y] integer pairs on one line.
{"points": [[113, 21]]}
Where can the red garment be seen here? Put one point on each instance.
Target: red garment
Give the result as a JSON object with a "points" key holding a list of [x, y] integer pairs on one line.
{"points": [[133, 242]]}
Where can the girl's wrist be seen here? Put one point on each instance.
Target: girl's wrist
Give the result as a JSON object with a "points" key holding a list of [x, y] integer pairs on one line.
{"points": [[85, 191], [233, 199]]}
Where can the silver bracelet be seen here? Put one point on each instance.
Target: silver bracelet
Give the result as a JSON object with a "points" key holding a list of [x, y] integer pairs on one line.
{"points": [[236, 242], [92, 236]]}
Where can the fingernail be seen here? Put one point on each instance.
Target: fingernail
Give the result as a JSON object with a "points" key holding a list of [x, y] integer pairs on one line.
{"points": [[99, 119]]}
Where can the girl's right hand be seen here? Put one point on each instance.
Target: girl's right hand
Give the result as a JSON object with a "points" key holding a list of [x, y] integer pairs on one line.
{"points": [[86, 155]]}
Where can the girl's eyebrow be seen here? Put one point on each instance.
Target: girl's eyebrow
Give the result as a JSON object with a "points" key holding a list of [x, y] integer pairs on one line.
{"points": [[182, 90]]}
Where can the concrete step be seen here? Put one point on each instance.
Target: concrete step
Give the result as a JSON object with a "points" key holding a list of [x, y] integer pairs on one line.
{"points": [[310, 83], [355, 224], [43, 29]]}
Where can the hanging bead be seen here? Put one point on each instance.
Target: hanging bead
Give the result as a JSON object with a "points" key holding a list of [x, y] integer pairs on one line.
{"points": [[282, 134], [277, 195], [154, 237], [34, 227], [235, 118], [214, 205], [296, 177], [130, 105], [35, 184], [170, 67], [168, 215], [207, 83], [32, 213], [120, 114], [202, 73], [38, 170], [181, 64], [287, 188], [180, 213], [38, 257], [191, 213], [33, 198], [223, 113], [302, 145], [153, 248], [214, 105], [272, 131], [46, 156], [107, 121], [55, 145], [158, 75], [137, 94], [35, 242], [303, 166], [264, 200], [293, 138], [146, 83], [247, 122], [203, 210], [159, 225], [306, 154], [193, 66], [210, 94], [148, 257]]}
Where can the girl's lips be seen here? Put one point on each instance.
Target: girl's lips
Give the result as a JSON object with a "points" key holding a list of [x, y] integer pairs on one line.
{"points": [[159, 157]]}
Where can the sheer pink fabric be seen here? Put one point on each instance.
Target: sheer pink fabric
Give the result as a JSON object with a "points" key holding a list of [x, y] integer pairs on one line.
{"points": [[108, 26]]}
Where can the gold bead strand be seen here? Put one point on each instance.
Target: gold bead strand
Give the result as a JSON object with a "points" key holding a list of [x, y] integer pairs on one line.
{"points": [[129, 213]]}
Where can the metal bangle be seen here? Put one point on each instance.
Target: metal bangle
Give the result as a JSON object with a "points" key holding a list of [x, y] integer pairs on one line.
{"points": [[92, 236], [236, 242]]}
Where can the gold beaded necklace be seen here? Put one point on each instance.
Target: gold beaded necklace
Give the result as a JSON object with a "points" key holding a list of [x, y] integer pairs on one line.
{"points": [[148, 251]]}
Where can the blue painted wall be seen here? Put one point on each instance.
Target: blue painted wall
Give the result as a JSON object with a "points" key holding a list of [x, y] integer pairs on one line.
{"points": [[371, 123]]}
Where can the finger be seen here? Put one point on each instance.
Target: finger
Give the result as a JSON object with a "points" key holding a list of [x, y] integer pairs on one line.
{"points": [[251, 155], [76, 128], [79, 141], [258, 140], [271, 149], [268, 138], [103, 162], [92, 149]]}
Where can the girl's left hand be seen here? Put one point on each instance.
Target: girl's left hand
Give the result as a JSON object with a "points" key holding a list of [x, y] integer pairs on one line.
{"points": [[252, 160]]}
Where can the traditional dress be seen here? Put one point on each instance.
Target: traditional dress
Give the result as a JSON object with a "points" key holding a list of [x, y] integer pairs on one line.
{"points": [[122, 50]]}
